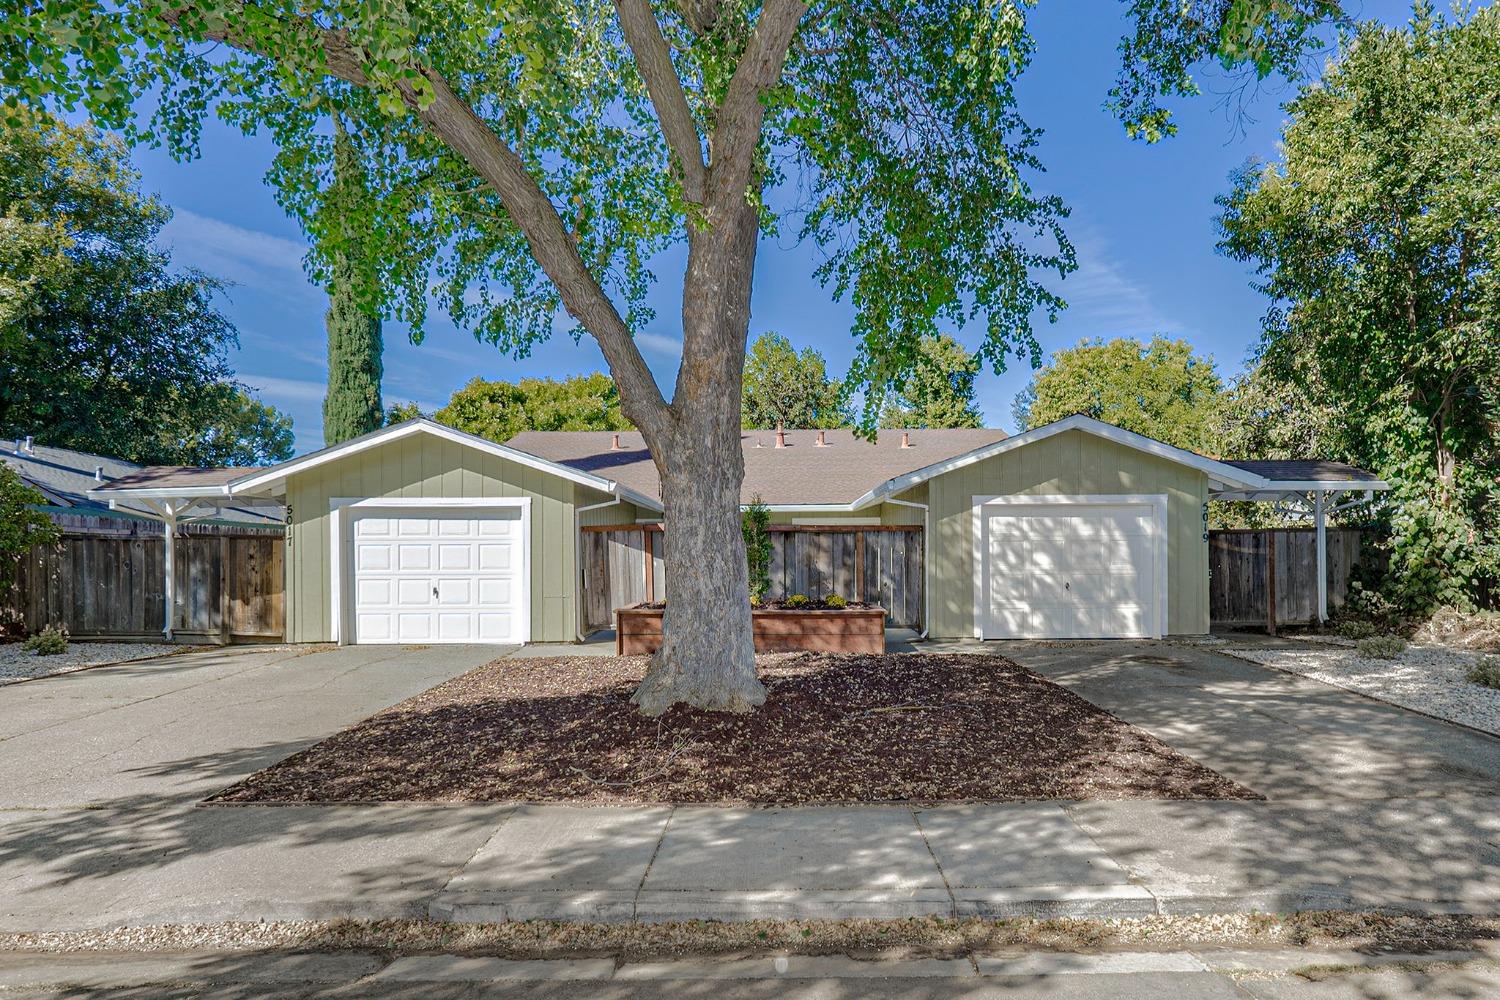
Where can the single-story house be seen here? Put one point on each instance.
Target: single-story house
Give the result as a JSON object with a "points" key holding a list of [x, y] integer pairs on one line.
{"points": [[421, 533]]}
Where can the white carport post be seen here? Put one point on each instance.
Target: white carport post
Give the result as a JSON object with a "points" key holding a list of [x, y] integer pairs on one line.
{"points": [[1320, 519], [168, 511]]}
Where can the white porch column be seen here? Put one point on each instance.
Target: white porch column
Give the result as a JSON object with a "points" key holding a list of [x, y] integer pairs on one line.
{"points": [[1320, 518], [169, 566]]}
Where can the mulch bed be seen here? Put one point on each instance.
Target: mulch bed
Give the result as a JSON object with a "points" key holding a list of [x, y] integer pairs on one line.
{"points": [[835, 729]]}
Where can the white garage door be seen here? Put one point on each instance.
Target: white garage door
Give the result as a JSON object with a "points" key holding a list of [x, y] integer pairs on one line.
{"points": [[435, 576], [1069, 571]]}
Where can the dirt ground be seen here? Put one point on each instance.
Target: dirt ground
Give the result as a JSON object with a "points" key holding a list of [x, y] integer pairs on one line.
{"points": [[834, 729]]}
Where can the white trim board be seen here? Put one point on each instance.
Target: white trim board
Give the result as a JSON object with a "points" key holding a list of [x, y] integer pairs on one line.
{"points": [[1078, 422], [1156, 501], [338, 562]]}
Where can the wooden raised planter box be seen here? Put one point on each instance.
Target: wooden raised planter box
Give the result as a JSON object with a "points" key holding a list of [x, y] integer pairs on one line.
{"points": [[850, 630]]}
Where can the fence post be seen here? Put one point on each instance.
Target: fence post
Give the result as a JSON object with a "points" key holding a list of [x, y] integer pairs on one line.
{"points": [[1270, 582], [224, 589]]}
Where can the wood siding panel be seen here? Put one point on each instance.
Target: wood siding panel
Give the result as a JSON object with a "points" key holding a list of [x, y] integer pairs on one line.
{"points": [[1070, 463], [421, 466]]}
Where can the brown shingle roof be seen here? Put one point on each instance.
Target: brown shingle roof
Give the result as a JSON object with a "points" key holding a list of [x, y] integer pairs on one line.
{"points": [[174, 476], [800, 473], [1312, 470]]}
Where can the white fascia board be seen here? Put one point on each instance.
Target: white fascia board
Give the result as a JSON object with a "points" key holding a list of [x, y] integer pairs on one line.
{"points": [[808, 508], [422, 425], [163, 492], [1219, 471]]}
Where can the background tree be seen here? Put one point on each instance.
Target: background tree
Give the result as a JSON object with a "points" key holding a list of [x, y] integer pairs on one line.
{"points": [[352, 406], [1162, 390], [401, 412], [938, 390], [1376, 238], [241, 431], [501, 410], [533, 158], [104, 347], [22, 527], [790, 389]]}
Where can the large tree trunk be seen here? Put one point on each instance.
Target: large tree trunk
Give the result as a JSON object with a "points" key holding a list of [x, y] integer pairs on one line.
{"points": [[707, 658]]}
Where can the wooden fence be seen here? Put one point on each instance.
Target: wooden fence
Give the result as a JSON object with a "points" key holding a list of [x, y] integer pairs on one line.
{"points": [[1254, 572], [229, 585], [877, 564]]}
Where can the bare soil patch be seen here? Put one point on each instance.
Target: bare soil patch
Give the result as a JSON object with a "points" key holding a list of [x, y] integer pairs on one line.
{"points": [[834, 729]]}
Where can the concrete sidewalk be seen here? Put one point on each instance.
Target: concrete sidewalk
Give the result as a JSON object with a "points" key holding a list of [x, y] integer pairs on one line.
{"points": [[1201, 974], [1368, 806]]}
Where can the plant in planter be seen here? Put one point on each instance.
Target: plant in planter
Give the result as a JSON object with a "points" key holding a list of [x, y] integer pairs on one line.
{"points": [[755, 524]]}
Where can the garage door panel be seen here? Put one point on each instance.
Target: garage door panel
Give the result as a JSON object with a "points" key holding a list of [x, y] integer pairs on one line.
{"points": [[1073, 570], [496, 591], [424, 576], [410, 556]]}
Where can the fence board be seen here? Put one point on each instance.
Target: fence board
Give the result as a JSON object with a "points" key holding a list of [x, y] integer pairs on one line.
{"points": [[230, 585], [885, 562], [1240, 560]]}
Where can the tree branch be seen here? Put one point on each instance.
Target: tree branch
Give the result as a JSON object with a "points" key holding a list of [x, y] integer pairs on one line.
{"points": [[741, 115], [653, 58], [456, 123]]}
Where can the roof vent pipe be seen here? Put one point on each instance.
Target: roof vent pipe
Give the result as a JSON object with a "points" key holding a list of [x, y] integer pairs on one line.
{"points": [[906, 439], [27, 446], [780, 435], [615, 445], [822, 439], [98, 473]]}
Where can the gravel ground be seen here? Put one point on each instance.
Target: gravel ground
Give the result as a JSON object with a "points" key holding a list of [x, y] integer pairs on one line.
{"points": [[18, 665], [1427, 678], [908, 938], [834, 729]]}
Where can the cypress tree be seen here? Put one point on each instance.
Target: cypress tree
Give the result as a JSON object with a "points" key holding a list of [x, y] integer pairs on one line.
{"points": [[352, 406]]}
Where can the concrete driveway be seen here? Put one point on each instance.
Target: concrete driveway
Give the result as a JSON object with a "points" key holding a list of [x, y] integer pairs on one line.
{"points": [[102, 770], [1368, 805]]}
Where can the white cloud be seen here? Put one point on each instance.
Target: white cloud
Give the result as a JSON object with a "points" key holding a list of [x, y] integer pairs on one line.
{"points": [[1101, 294], [276, 390], [245, 256], [660, 343]]}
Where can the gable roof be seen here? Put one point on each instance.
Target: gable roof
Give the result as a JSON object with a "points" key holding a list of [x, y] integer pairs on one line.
{"points": [[801, 474], [174, 481], [847, 473]]}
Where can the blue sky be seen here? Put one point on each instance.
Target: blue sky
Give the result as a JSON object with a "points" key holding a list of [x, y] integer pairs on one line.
{"points": [[1142, 222]]}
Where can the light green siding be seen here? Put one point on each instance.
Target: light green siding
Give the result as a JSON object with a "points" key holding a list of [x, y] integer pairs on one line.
{"points": [[621, 513], [424, 465], [1073, 462]]}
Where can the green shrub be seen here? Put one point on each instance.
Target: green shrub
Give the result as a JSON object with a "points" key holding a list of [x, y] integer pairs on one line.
{"points": [[755, 525], [48, 642], [1354, 628], [835, 601], [1381, 647], [797, 601], [1486, 672]]}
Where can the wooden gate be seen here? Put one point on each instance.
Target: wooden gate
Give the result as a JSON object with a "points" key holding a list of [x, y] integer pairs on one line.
{"points": [[878, 564], [229, 585], [1260, 577]]}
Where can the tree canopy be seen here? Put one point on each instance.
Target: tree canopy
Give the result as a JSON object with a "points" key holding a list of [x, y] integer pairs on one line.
{"points": [[530, 157], [103, 346], [937, 390], [783, 387], [1162, 390], [501, 410], [352, 405], [1376, 238]]}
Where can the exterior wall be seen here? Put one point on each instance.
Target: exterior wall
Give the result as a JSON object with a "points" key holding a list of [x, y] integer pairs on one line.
{"points": [[888, 513], [426, 466], [621, 513], [1070, 463]]}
